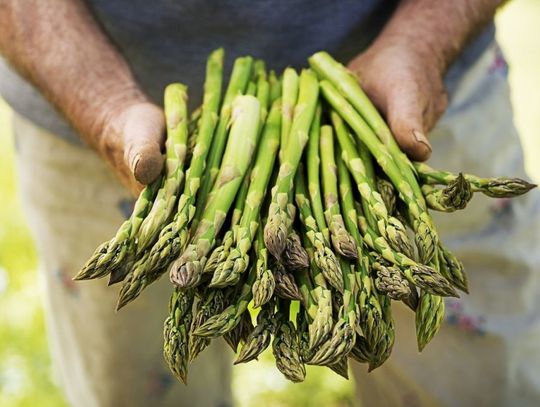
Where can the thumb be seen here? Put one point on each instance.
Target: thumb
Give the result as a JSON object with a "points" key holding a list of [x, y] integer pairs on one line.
{"points": [[143, 137], [406, 120]]}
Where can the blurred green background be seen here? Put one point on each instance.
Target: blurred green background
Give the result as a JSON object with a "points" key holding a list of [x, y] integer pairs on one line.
{"points": [[25, 373]]}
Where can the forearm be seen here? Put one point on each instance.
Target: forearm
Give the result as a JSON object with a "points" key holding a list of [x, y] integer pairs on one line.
{"points": [[438, 29], [57, 45]]}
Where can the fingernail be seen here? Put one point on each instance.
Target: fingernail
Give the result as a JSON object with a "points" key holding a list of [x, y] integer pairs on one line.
{"points": [[134, 162], [421, 138], [146, 165]]}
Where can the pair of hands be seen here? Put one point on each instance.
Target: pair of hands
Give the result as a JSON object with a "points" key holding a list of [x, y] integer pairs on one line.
{"points": [[405, 84]]}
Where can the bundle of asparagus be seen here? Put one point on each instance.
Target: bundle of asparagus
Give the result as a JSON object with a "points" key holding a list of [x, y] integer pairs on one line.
{"points": [[287, 215]]}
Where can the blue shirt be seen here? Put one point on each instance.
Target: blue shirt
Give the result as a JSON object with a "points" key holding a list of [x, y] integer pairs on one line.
{"points": [[168, 41]]}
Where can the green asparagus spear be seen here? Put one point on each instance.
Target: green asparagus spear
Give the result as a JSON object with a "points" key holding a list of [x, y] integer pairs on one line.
{"points": [[389, 227], [454, 197], [429, 317], [317, 302], [240, 76], [286, 349], [388, 194], [111, 254], [286, 287], [343, 335], [212, 304], [264, 285], [240, 333], [175, 333], [186, 271], [294, 256], [313, 162], [220, 324], [229, 271], [343, 242], [280, 213], [177, 133], [324, 257], [452, 269], [389, 280], [499, 187], [259, 339], [290, 86]]}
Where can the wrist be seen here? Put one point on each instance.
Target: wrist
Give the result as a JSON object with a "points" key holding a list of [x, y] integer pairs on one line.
{"points": [[424, 47], [423, 56]]}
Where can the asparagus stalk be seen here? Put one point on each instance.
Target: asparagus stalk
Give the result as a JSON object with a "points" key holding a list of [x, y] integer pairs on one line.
{"points": [[302, 332], [219, 325], [251, 88], [343, 242], [498, 187], [240, 333], [220, 253], [286, 287], [175, 333], [259, 339], [176, 117], [367, 161], [291, 82], [338, 346], [341, 368], [452, 269], [343, 335], [389, 280], [382, 350], [388, 194], [281, 210], [109, 256], [187, 269], [429, 317], [263, 90], [193, 124], [264, 285], [454, 197], [389, 227], [238, 82], [286, 349], [294, 255], [229, 271], [317, 301], [360, 351], [324, 257], [275, 87], [211, 305], [313, 162]]}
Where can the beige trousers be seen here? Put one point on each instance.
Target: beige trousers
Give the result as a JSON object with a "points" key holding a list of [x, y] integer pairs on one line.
{"points": [[103, 358]]}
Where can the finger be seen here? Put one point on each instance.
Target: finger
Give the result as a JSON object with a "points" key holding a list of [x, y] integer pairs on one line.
{"points": [[436, 110], [143, 134], [406, 120]]}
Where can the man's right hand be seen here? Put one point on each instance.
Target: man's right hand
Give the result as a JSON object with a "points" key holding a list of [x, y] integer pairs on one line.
{"points": [[59, 47], [130, 141]]}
